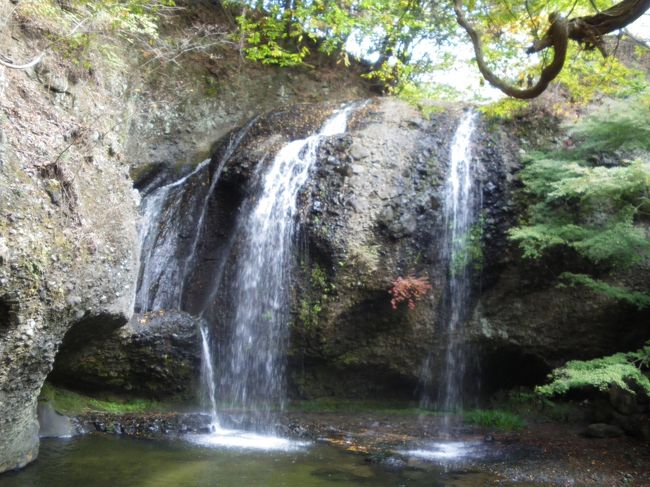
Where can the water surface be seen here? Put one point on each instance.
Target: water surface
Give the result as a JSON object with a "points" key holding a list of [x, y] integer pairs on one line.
{"points": [[110, 461]]}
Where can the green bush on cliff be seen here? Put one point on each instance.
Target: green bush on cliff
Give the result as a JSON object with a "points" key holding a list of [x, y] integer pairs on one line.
{"points": [[621, 369], [593, 197], [84, 32]]}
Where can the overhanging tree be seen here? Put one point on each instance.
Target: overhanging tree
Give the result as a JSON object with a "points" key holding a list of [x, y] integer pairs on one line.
{"points": [[587, 30]]}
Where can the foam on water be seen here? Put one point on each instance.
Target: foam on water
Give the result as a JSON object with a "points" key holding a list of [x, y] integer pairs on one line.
{"points": [[446, 450], [245, 440]]}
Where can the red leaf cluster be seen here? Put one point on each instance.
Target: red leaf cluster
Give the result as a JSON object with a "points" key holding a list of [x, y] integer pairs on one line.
{"points": [[409, 289]]}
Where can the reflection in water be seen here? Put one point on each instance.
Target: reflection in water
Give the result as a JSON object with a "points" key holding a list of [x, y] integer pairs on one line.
{"points": [[244, 440], [448, 451], [110, 461]]}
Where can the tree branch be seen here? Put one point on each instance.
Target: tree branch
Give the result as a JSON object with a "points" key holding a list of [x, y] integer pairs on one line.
{"points": [[557, 32], [587, 30], [33, 62], [7, 63]]}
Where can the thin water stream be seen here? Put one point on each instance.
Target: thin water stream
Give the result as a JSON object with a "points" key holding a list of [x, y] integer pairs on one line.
{"points": [[459, 217]]}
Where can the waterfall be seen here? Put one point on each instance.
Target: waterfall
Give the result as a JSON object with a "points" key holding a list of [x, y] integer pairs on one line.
{"points": [[207, 379], [459, 218], [160, 271], [167, 213], [251, 362], [251, 372]]}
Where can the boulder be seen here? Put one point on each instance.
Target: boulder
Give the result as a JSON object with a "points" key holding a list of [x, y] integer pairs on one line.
{"points": [[65, 264], [157, 354], [603, 430]]}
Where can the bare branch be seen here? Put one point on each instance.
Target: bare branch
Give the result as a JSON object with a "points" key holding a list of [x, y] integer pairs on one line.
{"points": [[11, 65], [8, 63], [636, 40]]}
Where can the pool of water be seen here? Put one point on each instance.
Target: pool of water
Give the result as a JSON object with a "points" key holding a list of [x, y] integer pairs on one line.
{"points": [[105, 460]]}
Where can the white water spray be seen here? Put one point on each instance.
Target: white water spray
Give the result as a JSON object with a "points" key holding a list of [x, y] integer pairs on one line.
{"points": [[460, 216], [252, 364]]}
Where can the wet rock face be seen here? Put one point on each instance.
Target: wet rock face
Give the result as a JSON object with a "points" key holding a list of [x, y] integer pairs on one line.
{"points": [[526, 323], [59, 265], [373, 212], [156, 354]]}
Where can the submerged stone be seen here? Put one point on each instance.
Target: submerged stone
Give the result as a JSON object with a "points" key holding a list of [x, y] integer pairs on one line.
{"points": [[603, 430]]}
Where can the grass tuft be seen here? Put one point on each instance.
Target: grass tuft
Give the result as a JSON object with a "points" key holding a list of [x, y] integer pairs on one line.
{"points": [[494, 418]]}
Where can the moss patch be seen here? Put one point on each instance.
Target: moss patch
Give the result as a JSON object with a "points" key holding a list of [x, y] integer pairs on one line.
{"points": [[71, 403]]}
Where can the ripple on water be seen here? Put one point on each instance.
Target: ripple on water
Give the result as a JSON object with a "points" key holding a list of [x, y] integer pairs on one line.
{"points": [[246, 440]]}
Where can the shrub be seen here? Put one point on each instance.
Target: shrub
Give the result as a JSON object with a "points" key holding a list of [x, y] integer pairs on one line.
{"points": [[409, 289], [589, 198], [621, 369]]}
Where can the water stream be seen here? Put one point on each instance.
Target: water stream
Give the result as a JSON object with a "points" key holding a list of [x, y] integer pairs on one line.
{"points": [[459, 219], [252, 362], [246, 373], [160, 270], [167, 213]]}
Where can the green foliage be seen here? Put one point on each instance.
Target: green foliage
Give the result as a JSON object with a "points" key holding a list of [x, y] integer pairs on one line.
{"points": [[621, 369], [314, 299], [401, 40], [272, 39], [494, 418], [71, 403], [83, 25], [589, 75], [620, 125], [508, 27], [286, 33], [468, 250], [590, 198], [504, 109], [529, 404], [637, 299]]}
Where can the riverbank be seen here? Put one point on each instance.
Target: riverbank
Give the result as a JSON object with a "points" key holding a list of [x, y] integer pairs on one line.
{"points": [[541, 453]]}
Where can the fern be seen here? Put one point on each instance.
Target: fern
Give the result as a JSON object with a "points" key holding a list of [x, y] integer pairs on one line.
{"points": [[593, 209], [621, 369], [640, 300]]}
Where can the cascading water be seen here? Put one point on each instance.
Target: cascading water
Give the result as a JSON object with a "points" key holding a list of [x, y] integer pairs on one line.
{"points": [[207, 379], [160, 271], [167, 214], [460, 216], [251, 372], [459, 211], [250, 376]]}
